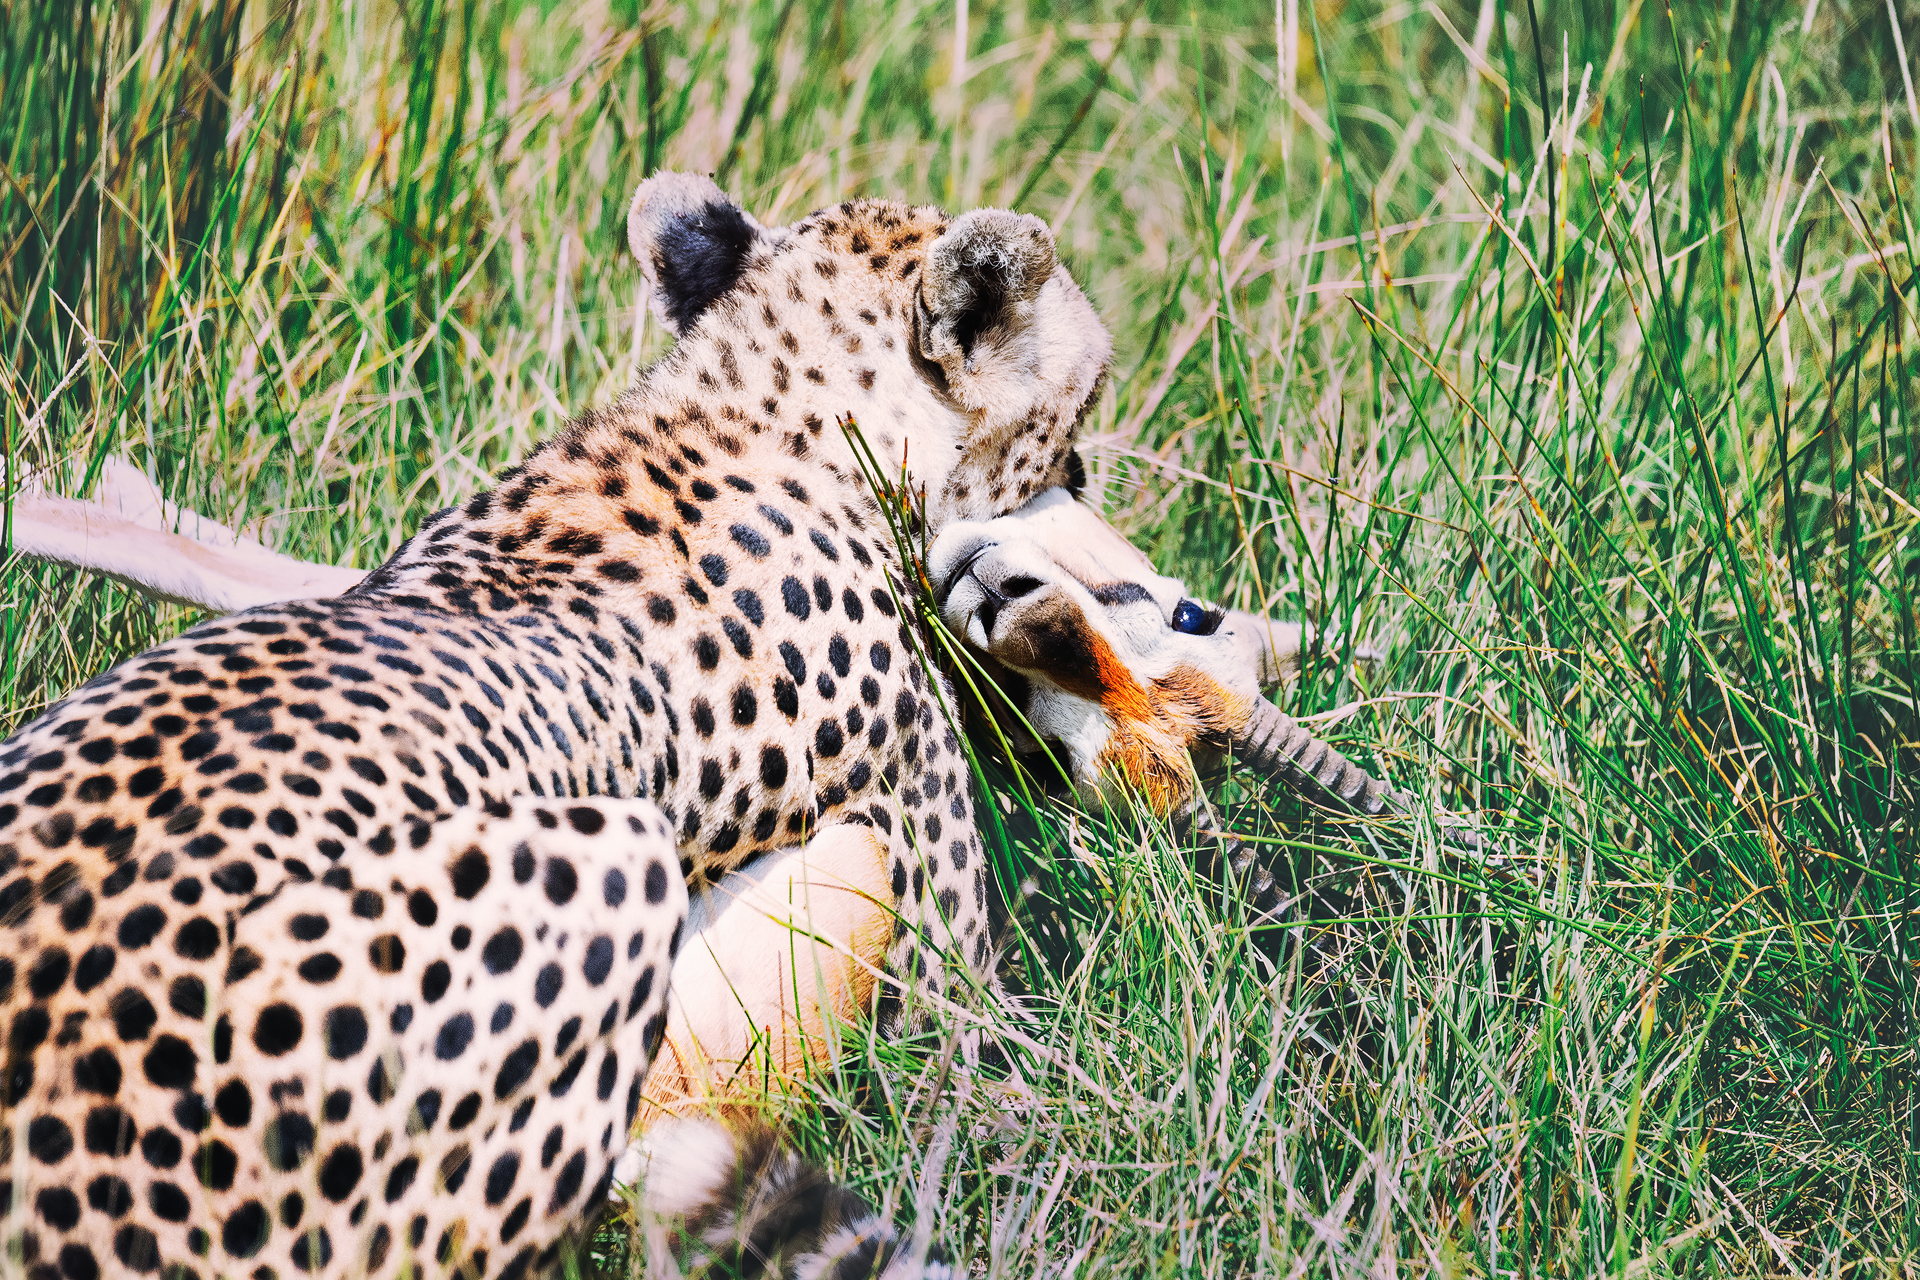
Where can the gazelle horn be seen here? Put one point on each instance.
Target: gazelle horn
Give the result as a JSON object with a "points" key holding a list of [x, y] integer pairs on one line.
{"points": [[1277, 746]]}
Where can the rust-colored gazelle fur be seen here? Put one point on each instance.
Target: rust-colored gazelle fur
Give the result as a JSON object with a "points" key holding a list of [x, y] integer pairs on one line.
{"points": [[1118, 667]]}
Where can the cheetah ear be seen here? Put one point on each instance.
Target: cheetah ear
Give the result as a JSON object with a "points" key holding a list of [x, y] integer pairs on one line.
{"points": [[693, 244], [979, 286]]}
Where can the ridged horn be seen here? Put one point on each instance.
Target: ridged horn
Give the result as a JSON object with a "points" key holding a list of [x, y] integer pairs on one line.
{"points": [[1279, 747]]}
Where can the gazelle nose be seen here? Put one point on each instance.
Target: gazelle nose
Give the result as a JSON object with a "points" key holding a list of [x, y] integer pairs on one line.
{"points": [[964, 568]]}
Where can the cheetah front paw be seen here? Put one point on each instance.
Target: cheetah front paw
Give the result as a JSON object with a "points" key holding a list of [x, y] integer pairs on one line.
{"points": [[720, 1190]]}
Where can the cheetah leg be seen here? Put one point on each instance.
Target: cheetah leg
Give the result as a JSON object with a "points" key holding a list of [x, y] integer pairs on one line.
{"points": [[507, 993]]}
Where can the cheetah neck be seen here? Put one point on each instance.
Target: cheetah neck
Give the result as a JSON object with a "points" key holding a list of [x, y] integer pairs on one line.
{"points": [[748, 392], [624, 499]]}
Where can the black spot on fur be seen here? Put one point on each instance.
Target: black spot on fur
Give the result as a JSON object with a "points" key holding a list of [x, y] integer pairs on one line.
{"points": [[502, 951], [515, 1070], [137, 1248], [139, 926], [108, 1131], [469, 873], [340, 1174], [277, 1030], [346, 1032], [599, 960], [454, 1037], [171, 1063], [161, 1148], [234, 1104]]}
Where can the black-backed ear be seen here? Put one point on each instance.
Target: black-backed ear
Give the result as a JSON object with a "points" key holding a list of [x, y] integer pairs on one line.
{"points": [[980, 280], [1076, 474], [693, 244]]}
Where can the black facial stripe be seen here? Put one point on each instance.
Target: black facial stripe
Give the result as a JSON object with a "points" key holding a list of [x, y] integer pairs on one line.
{"points": [[1114, 593]]}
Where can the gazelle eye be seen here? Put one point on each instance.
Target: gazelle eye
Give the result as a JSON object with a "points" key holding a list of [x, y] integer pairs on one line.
{"points": [[1191, 619]]}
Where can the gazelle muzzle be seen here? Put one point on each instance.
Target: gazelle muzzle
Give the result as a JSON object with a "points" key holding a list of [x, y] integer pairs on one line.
{"points": [[1121, 667]]}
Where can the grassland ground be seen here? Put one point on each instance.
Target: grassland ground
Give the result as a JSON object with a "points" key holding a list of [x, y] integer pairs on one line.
{"points": [[1564, 354]]}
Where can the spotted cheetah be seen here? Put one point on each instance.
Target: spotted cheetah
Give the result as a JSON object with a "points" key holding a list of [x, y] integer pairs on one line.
{"points": [[409, 868], [1113, 664], [337, 932]]}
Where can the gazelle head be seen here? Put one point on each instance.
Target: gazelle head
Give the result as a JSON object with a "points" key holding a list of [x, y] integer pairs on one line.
{"points": [[1111, 663]]}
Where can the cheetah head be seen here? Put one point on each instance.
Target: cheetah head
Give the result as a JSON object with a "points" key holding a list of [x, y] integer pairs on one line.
{"points": [[1111, 662], [973, 354]]}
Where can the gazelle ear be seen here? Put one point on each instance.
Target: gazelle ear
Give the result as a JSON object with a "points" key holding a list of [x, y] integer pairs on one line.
{"points": [[1274, 648], [1271, 648], [979, 286], [693, 244]]}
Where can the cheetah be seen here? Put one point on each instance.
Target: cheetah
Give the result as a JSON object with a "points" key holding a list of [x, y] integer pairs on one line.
{"points": [[340, 932], [1119, 668]]}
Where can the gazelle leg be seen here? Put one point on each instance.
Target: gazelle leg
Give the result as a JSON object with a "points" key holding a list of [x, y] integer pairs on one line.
{"points": [[778, 954]]}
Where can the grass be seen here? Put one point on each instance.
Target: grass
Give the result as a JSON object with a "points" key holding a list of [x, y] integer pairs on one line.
{"points": [[1563, 353]]}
